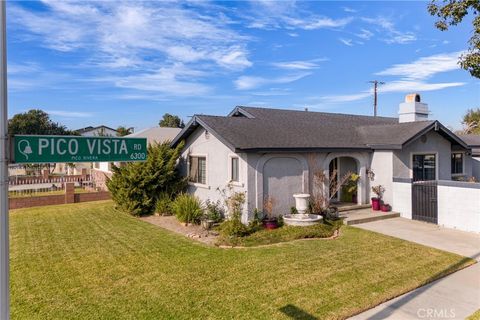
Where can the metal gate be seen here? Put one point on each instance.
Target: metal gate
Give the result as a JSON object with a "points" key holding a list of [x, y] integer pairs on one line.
{"points": [[424, 201]]}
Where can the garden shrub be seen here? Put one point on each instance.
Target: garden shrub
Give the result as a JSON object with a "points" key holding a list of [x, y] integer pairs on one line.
{"points": [[164, 204], [187, 208], [233, 228], [135, 186], [213, 211]]}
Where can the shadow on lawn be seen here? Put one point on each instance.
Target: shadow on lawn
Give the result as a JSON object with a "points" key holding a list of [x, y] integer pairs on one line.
{"points": [[429, 283], [296, 313]]}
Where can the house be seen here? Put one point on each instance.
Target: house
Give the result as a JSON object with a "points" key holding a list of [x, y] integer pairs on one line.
{"points": [[473, 142], [153, 135], [275, 153], [99, 131]]}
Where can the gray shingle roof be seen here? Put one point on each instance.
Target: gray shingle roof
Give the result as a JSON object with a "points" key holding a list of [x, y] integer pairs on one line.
{"points": [[473, 141], [290, 129]]}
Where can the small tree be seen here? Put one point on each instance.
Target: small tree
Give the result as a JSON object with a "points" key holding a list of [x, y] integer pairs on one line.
{"points": [[136, 186], [451, 13], [325, 187], [171, 121], [471, 121], [37, 122], [124, 131]]}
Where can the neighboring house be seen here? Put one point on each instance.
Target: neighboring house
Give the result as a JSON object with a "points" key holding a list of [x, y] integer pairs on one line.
{"points": [[274, 153], [99, 131], [473, 142], [153, 135]]}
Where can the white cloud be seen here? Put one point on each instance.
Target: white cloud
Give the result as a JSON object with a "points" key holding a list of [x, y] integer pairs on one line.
{"points": [[289, 15], [365, 34], [390, 33], [299, 64], [252, 82], [424, 67], [137, 39], [348, 9], [176, 80], [412, 77], [347, 42], [69, 114], [345, 98]]}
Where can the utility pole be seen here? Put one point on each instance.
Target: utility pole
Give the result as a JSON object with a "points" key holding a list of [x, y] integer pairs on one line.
{"points": [[375, 98], [4, 246]]}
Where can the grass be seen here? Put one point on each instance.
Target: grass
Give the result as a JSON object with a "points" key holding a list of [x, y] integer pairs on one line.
{"points": [[474, 316], [88, 261], [26, 194], [283, 234]]}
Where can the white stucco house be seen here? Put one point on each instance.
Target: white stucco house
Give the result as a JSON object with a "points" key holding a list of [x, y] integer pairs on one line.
{"points": [[97, 131], [273, 152]]}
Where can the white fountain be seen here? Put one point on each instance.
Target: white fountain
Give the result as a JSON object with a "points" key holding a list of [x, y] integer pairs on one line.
{"points": [[301, 218]]}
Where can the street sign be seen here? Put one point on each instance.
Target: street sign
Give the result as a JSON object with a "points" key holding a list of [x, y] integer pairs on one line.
{"points": [[55, 149]]}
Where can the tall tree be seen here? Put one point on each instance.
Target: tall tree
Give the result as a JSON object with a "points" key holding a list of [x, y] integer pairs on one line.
{"points": [[471, 121], [451, 13], [36, 121], [123, 131], [172, 121]]}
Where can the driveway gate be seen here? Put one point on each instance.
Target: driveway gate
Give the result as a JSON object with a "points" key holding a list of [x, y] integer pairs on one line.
{"points": [[424, 201]]}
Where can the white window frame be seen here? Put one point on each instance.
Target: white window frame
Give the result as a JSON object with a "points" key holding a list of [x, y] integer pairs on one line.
{"points": [[238, 183], [425, 153], [463, 164], [197, 184]]}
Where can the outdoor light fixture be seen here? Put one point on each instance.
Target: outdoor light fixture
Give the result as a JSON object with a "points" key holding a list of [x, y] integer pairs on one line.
{"points": [[370, 174]]}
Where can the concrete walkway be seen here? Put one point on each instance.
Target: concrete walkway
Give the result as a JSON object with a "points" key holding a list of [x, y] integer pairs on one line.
{"points": [[454, 297]]}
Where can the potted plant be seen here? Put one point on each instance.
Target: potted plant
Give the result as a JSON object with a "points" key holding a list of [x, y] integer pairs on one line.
{"points": [[269, 221], [385, 207], [376, 201]]}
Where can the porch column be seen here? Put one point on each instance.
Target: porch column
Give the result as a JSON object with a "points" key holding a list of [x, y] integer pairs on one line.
{"points": [[362, 190]]}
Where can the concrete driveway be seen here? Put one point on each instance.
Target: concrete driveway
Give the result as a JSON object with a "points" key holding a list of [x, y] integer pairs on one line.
{"points": [[454, 297], [463, 243]]}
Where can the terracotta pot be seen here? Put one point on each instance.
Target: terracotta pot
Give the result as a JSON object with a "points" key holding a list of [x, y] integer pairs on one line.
{"points": [[270, 224], [375, 204]]}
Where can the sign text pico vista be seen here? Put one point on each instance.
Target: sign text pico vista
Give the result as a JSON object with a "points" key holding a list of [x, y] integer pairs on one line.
{"points": [[47, 149]]}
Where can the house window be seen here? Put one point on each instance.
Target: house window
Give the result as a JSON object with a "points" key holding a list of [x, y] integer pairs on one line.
{"points": [[424, 167], [198, 170], [235, 169], [457, 163]]}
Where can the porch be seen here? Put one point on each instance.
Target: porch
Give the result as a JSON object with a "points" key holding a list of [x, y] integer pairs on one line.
{"points": [[360, 214]]}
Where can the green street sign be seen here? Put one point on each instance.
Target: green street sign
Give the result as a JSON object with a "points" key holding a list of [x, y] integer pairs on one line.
{"points": [[50, 149]]}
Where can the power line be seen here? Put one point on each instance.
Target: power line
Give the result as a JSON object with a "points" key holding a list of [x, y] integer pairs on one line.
{"points": [[375, 98]]}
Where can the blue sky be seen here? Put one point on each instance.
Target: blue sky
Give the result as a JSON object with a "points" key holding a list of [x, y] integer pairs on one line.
{"points": [[127, 63]]}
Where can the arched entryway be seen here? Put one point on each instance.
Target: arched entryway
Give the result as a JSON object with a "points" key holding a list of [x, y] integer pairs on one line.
{"points": [[342, 189]]}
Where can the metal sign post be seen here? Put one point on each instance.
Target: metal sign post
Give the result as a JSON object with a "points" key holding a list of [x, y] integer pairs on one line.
{"points": [[4, 246]]}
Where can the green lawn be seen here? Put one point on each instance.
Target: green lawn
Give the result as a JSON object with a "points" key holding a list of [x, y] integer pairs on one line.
{"points": [[88, 261]]}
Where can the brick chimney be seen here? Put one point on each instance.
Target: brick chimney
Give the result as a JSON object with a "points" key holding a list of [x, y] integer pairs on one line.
{"points": [[412, 109]]}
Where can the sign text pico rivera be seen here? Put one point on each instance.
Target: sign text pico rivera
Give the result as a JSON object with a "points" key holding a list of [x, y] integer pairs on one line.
{"points": [[48, 149]]}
